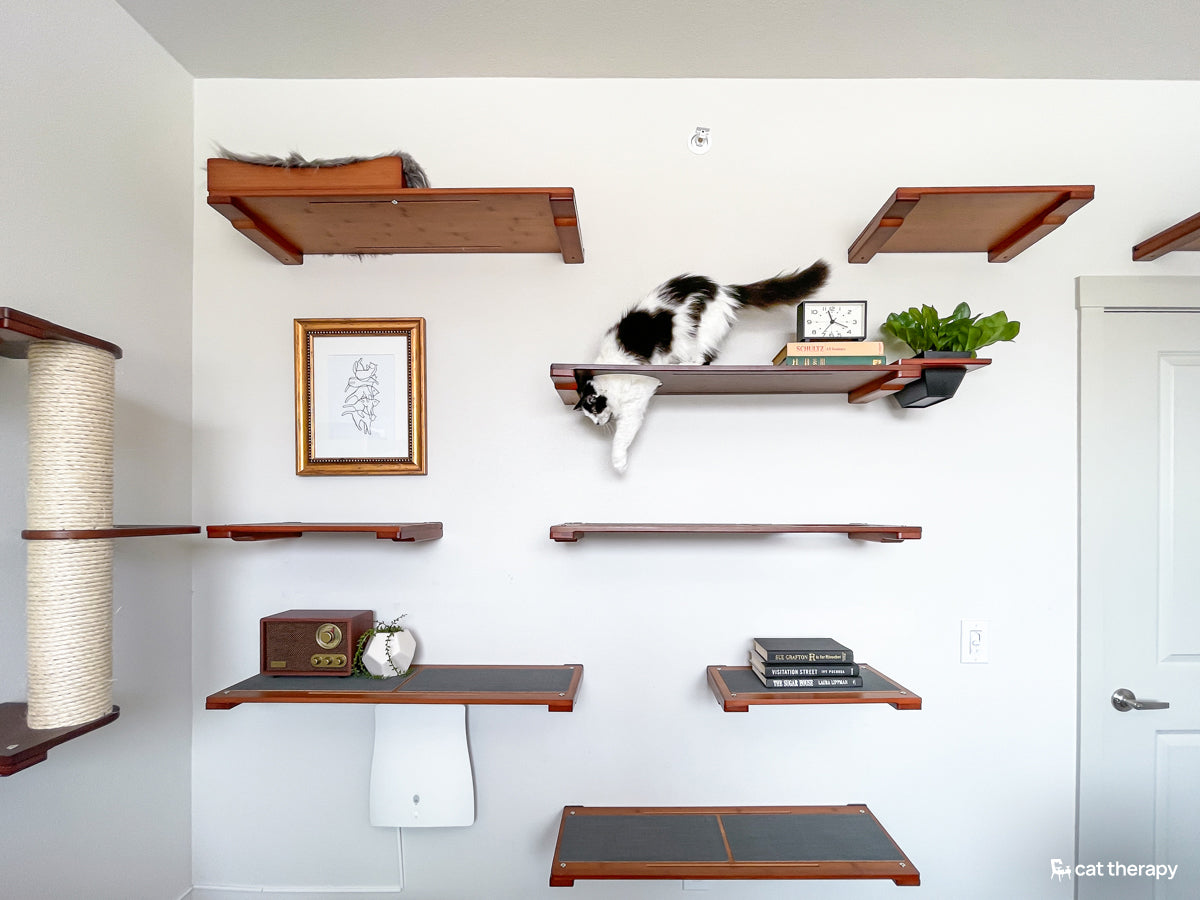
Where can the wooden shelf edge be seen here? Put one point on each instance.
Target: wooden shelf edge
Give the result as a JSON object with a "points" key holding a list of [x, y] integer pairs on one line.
{"points": [[571, 532], [898, 696], [116, 531], [1177, 237], [340, 691], [18, 329], [400, 532], [22, 746]]}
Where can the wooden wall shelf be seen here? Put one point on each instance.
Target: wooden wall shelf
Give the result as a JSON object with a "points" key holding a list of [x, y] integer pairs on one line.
{"points": [[22, 746], [554, 687], [737, 688], [860, 384], [18, 330], [1183, 235], [1001, 221], [269, 531], [117, 531], [364, 208], [726, 842], [569, 532]]}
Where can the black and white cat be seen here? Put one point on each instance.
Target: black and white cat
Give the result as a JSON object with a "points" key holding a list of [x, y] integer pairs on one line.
{"points": [[683, 321]]}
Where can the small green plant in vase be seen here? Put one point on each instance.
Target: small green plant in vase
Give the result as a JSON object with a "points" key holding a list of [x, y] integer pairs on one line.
{"points": [[933, 336], [385, 650]]}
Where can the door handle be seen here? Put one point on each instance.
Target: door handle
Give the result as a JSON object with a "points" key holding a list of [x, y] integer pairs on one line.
{"points": [[1123, 700]]}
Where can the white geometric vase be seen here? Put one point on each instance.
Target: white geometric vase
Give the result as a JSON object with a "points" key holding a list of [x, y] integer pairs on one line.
{"points": [[389, 653]]}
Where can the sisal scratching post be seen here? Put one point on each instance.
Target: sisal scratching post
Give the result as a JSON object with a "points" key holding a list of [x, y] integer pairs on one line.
{"points": [[69, 582]]}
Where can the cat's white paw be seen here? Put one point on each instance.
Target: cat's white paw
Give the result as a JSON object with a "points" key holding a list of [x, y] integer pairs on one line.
{"points": [[620, 461]]}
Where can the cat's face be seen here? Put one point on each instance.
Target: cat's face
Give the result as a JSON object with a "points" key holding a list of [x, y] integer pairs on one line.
{"points": [[593, 404]]}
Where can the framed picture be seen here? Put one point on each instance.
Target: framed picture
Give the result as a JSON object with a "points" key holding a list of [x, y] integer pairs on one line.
{"points": [[360, 396]]}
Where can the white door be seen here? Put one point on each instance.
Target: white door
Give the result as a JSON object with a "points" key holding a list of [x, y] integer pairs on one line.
{"points": [[1139, 770]]}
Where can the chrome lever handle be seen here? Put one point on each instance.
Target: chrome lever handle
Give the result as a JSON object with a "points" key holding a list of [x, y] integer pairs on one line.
{"points": [[1123, 700]]}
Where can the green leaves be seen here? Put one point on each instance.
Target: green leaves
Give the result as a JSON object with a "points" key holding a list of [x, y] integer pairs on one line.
{"points": [[923, 329]]}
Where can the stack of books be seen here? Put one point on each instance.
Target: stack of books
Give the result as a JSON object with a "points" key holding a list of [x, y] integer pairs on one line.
{"points": [[808, 664], [831, 353]]}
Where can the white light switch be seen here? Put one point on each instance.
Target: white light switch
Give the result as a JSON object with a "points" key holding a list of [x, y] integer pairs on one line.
{"points": [[974, 642]]}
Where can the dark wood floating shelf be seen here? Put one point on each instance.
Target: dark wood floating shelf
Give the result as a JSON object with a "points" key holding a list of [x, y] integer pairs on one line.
{"points": [[554, 687], [860, 384], [117, 531], [22, 746], [270, 531], [1183, 235], [18, 330], [1001, 221], [726, 842], [569, 532], [737, 688], [364, 208]]}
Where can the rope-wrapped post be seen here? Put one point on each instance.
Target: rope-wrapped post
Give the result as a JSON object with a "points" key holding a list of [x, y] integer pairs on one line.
{"points": [[70, 486]]}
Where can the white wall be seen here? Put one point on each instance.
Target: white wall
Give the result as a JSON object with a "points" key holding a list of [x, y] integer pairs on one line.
{"points": [[978, 786], [97, 237]]}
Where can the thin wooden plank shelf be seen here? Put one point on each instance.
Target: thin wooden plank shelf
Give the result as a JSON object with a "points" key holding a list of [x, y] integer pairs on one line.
{"points": [[860, 384], [408, 532], [569, 532], [364, 208], [1001, 221], [554, 687], [116, 531], [22, 746], [726, 842], [737, 688], [1183, 235], [19, 329]]}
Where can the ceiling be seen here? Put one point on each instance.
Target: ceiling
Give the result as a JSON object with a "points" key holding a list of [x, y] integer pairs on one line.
{"points": [[1105, 39]]}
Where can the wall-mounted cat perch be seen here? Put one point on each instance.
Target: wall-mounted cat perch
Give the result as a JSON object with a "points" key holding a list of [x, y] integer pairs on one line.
{"points": [[569, 532], [365, 208]]}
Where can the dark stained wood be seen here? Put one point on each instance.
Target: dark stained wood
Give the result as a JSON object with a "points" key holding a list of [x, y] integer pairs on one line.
{"points": [[1183, 235], [481, 689], [117, 531], [18, 329], [364, 208], [567, 866], [22, 746], [860, 384], [748, 691], [269, 531], [1001, 221], [569, 532]]}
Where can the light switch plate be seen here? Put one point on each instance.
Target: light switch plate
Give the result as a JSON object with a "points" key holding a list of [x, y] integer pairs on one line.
{"points": [[974, 641]]}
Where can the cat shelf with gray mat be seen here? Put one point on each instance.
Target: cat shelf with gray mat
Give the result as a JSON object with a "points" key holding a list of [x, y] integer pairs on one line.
{"points": [[365, 208], [725, 843], [737, 688]]}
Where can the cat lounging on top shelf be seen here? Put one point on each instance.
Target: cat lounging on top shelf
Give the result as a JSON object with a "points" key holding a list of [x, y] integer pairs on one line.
{"points": [[683, 321]]}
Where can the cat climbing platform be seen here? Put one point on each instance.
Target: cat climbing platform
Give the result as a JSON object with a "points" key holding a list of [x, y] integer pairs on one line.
{"points": [[364, 208]]}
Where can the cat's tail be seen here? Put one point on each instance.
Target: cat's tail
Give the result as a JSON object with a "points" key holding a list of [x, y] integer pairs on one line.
{"points": [[791, 288]]}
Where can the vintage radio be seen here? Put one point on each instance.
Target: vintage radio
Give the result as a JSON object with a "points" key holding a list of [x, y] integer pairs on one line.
{"points": [[312, 641]]}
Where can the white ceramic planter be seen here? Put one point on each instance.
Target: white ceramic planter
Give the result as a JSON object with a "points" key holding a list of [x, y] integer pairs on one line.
{"points": [[389, 653]]}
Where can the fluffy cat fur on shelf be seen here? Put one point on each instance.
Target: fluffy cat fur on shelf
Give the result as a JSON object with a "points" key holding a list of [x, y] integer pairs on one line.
{"points": [[683, 321]]}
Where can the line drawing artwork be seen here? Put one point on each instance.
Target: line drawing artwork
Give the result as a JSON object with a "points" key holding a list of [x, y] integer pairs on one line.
{"points": [[362, 395]]}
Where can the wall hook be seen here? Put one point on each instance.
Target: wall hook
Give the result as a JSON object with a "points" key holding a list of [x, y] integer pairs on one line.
{"points": [[699, 142]]}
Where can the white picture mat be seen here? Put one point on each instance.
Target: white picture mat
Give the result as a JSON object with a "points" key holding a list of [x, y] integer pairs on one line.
{"points": [[336, 406]]}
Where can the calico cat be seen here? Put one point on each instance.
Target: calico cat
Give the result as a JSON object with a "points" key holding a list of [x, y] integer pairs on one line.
{"points": [[683, 321]]}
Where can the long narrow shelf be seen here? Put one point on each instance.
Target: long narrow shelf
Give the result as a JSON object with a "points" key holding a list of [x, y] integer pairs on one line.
{"points": [[116, 531], [860, 384], [554, 687], [364, 208], [19, 329], [1001, 221], [1183, 235], [22, 746], [569, 532], [269, 531], [737, 688], [726, 842]]}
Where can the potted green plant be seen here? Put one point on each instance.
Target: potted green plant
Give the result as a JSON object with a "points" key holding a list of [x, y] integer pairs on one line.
{"points": [[933, 336], [384, 650]]}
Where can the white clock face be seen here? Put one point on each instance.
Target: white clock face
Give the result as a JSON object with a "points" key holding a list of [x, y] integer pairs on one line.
{"points": [[834, 321]]}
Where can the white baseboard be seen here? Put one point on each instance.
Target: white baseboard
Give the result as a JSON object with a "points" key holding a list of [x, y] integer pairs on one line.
{"points": [[236, 892]]}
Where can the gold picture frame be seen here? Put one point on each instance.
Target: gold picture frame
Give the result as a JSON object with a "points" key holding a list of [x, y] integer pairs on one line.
{"points": [[360, 396]]}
